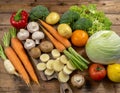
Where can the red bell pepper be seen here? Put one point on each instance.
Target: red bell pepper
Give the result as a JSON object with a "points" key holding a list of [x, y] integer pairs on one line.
{"points": [[19, 19]]}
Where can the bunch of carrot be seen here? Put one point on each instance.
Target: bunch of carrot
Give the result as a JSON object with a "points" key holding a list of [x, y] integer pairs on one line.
{"points": [[15, 52], [62, 44]]}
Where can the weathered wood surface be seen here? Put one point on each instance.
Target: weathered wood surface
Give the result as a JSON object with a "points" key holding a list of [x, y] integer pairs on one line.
{"points": [[13, 84]]}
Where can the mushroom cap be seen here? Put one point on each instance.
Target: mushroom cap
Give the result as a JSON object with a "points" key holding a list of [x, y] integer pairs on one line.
{"points": [[32, 27], [38, 35], [29, 44], [23, 34], [78, 80]]}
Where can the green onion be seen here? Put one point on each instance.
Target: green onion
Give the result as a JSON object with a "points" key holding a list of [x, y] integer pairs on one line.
{"points": [[71, 50]]}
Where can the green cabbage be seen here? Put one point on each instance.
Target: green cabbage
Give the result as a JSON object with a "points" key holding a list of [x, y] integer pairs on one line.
{"points": [[103, 47]]}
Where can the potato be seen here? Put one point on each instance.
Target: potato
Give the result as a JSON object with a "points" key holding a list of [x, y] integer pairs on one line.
{"points": [[52, 18], [46, 46], [64, 30], [35, 52]]}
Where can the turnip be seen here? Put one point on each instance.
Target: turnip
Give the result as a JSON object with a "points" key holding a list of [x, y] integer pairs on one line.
{"points": [[7, 64]]}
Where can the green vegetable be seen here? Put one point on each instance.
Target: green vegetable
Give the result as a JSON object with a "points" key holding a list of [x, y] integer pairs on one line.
{"points": [[69, 17], [103, 47], [83, 24], [98, 18], [76, 60], [39, 12]]}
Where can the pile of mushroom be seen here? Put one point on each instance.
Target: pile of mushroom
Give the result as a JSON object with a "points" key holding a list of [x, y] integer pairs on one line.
{"points": [[31, 35]]}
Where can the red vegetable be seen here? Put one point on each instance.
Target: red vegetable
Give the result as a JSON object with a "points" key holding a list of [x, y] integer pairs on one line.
{"points": [[19, 19], [97, 72]]}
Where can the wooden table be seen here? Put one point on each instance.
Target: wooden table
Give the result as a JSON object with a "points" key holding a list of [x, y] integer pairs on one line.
{"points": [[13, 84]]}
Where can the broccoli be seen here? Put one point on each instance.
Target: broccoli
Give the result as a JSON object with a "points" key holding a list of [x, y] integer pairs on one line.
{"points": [[82, 23], [69, 17], [38, 12]]}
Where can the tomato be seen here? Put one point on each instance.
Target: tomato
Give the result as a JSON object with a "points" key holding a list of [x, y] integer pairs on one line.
{"points": [[79, 38], [97, 72]]}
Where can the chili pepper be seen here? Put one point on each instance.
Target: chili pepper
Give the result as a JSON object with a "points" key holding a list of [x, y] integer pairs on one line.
{"points": [[19, 19]]}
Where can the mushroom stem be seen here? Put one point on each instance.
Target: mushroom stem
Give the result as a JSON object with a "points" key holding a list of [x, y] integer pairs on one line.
{"points": [[37, 41]]}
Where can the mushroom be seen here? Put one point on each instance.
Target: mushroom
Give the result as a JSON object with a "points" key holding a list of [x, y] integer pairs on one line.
{"points": [[29, 44], [77, 80], [37, 36], [32, 27], [23, 34]]}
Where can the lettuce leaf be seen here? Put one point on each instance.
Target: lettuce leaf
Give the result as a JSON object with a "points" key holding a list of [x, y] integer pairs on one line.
{"points": [[99, 20]]}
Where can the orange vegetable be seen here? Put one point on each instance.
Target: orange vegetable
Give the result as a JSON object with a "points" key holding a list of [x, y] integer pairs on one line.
{"points": [[19, 49], [57, 44], [55, 33], [79, 38], [10, 53]]}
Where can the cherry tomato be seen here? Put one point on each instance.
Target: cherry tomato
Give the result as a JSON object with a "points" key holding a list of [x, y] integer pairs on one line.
{"points": [[97, 72]]}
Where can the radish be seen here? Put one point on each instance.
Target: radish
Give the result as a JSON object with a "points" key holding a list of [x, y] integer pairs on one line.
{"points": [[7, 64]]}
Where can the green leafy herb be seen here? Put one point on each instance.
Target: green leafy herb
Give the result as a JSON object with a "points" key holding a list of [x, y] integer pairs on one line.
{"points": [[98, 18]]}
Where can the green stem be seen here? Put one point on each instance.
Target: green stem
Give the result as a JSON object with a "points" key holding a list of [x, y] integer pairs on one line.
{"points": [[76, 62], [98, 68], [77, 56], [2, 54], [12, 32], [71, 50], [6, 39], [17, 17]]}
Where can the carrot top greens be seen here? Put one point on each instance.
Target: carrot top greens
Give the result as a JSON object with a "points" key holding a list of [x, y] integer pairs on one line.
{"points": [[6, 39]]}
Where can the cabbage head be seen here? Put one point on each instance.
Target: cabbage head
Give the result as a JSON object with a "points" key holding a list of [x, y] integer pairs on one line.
{"points": [[103, 47]]}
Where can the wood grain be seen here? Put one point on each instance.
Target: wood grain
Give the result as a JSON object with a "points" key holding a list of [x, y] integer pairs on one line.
{"points": [[13, 84], [108, 6]]}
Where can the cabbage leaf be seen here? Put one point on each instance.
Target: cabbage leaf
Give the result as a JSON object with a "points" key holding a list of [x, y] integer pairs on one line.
{"points": [[103, 47]]}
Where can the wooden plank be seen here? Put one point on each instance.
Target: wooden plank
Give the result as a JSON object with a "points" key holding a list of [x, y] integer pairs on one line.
{"points": [[116, 29], [115, 18], [14, 84], [14, 1], [4, 18], [107, 7]]}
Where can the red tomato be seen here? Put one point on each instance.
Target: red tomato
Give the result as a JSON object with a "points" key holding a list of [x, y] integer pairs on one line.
{"points": [[97, 72]]}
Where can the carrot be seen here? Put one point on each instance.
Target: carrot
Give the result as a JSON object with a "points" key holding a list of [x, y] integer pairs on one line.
{"points": [[19, 49], [53, 31], [56, 43], [10, 53]]}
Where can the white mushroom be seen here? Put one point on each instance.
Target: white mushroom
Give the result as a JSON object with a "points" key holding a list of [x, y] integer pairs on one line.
{"points": [[78, 80], [29, 44], [37, 36], [32, 27], [23, 34]]}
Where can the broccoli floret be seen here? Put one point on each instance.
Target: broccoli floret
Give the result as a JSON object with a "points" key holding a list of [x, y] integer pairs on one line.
{"points": [[69, 17], [82, 23], [38, 12]]}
